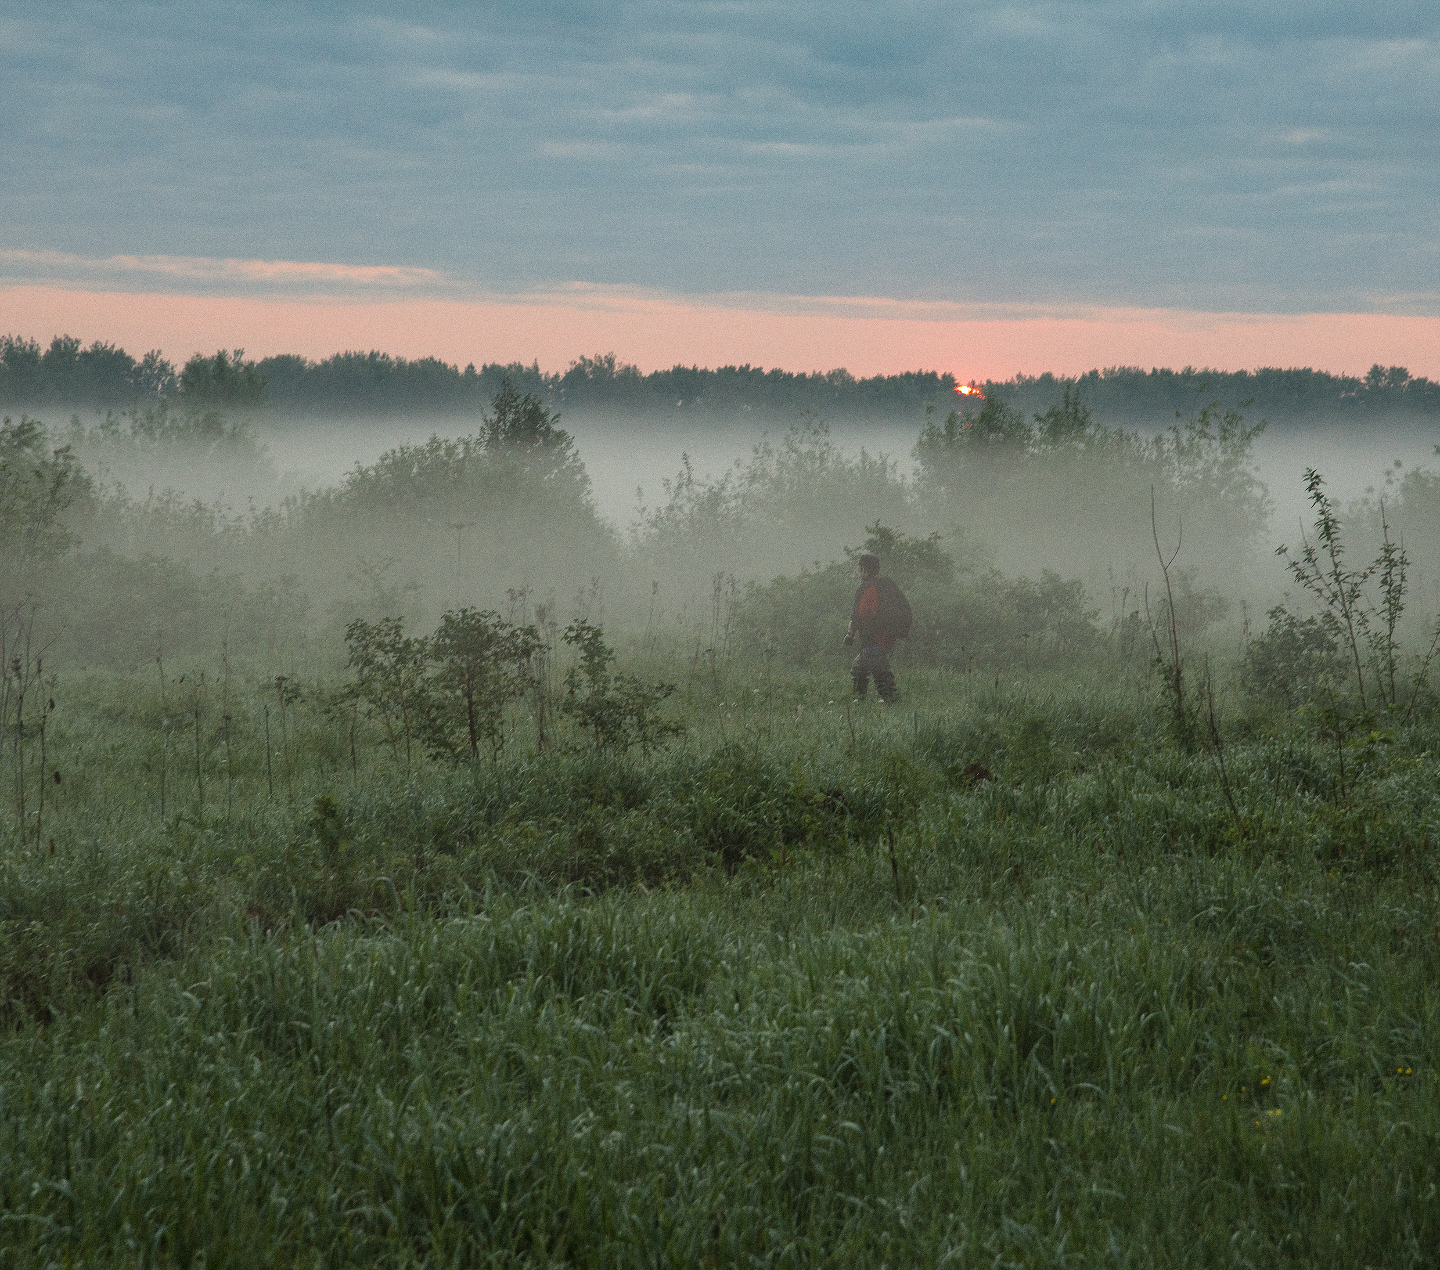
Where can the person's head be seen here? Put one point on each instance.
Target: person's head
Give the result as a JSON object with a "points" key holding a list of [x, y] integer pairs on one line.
{"points": [[869, 566]]}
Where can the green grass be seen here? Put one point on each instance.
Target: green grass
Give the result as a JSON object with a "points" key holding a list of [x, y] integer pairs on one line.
{"points": [[804, 989]]}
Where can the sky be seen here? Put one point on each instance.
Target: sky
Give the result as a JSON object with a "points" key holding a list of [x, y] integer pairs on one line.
{"points": [[973, 187]]}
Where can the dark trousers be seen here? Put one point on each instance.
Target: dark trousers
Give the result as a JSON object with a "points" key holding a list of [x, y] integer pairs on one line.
{"points": [[873, 661]]}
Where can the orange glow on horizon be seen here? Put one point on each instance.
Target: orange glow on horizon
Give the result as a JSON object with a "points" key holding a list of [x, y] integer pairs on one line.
{"points": [[657, 333]]}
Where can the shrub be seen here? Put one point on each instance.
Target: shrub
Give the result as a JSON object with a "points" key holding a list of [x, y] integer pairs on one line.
{"points": [[618, 710], [1289, 660]]}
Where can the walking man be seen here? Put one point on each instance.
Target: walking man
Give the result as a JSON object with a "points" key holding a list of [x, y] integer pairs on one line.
{"points": [[881, 615]]}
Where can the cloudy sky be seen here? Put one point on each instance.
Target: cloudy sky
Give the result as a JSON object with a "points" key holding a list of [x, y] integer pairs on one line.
{"points": [[966, 162]]}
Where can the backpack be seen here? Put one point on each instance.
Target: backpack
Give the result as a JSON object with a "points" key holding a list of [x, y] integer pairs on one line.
{"points": [[896, 616]]}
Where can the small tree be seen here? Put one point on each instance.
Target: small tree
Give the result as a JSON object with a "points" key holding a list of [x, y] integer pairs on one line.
{"points": [[483, 663], [618, 710], [391, 679], [1364, 629], [38, 485]]}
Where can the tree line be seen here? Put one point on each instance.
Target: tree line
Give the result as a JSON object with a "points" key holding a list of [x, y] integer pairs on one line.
{"points": [[65, 374]]}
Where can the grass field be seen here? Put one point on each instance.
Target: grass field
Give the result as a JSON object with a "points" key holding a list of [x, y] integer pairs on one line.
{"points": [[995, 976]]}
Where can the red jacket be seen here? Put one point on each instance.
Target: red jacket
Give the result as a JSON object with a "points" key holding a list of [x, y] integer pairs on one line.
{"points": [[870, 617]]}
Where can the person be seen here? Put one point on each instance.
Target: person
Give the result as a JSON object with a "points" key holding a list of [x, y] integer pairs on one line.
{"points": [[880, 616]]}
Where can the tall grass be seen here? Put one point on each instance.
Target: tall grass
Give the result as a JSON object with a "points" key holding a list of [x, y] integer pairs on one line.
{"points": [[990, 978]]}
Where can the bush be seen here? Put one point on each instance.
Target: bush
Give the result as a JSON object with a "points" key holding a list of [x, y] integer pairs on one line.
{"points": [[1287, 662], [960, 622]]}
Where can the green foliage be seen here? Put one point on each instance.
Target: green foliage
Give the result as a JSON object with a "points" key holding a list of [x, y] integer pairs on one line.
{"points": [[1288, 395], [618, 710], [391, 680], [65, 373], [1364, 628], [39, 485], [1078, 492], [788, 501], [912, 562], [225, 381], [450, 690], [482, 663], [375, 383], [162, 428], [994, 431], [1067, 423], [521, 433], [961, 620], [1291, 659]]}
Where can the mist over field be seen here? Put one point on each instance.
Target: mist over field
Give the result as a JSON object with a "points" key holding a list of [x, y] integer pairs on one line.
{"points": [[630, 462], [642, 522], [287, 811], [419, 756], [621, 455]]}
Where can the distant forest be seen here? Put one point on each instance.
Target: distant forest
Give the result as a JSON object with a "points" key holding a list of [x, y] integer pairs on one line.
{"points": [[102, 376]]}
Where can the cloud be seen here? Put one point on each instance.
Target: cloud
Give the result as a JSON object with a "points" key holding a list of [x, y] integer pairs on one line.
{"points": [[205, 273], [1212, 155]]}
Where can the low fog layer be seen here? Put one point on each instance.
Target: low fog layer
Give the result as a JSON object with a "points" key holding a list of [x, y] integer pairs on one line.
{"points": [[623, 456], [654, 526]]}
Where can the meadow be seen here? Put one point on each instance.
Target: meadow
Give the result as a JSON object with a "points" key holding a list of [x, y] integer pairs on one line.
{"points": [[1003, 973], [345, 923]]}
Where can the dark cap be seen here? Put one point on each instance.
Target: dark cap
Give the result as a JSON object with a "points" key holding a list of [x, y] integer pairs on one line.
{"points": [[869, 564]]}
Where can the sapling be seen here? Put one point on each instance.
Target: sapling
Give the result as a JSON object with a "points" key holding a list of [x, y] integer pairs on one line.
{"points": [[225, 719], [617, 709], [1341, 591], [24, 668], [354, 761], [1347, 612], [1217, 749], [164, 731], [483, 662], [542, 670], [18, 671], [1168, 659], [269, 762], [46, 709], [199, 769], [390, 679], [286, 691]]}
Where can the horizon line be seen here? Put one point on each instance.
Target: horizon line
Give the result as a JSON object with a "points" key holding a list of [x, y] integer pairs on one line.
{"points": [[868, 336]]}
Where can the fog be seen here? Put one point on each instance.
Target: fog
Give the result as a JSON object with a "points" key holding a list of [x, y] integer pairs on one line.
{"points": [[376, 517], [622, 457], [1351, 464]]}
